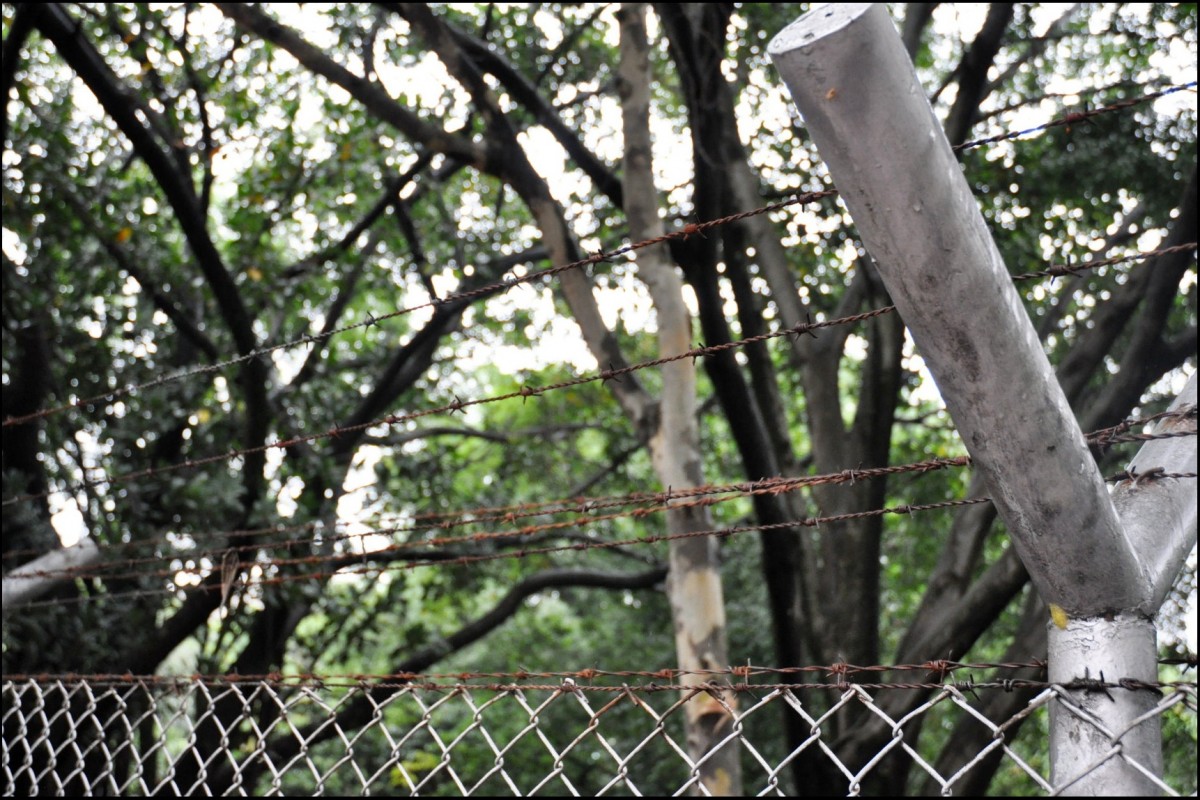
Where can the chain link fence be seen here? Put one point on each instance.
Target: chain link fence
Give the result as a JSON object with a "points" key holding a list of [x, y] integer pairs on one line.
{"points": [[65, 736]]}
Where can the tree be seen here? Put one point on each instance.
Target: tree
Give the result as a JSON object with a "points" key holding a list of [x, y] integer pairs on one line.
{"points": [[185, 187]]}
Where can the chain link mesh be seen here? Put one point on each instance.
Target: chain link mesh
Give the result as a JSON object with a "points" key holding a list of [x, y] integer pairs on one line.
{"points": [[67, 737]]}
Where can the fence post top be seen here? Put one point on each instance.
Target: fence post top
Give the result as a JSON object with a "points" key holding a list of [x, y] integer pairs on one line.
{"points": [[818, 23]]}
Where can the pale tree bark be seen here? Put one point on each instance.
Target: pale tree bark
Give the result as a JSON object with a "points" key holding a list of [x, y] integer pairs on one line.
{"points": [[699, 616], [694, 585]]}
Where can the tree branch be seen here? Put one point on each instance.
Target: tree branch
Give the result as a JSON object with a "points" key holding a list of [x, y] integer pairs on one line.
{"points": [[511, 164], [1035, 47], [183, 323], [1154, 284], [916, 19], [972, 72], [373, 97], [121, 104], [527, 94], [18, 32]]}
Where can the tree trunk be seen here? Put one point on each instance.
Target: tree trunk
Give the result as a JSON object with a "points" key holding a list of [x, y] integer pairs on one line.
{"points": [[694, 587]]}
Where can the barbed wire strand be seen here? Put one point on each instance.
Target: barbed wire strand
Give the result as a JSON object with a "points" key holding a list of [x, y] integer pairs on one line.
{"points": [[512, 281], [366, 569], [525, 392], [526, 532], [701, 496], [459, 405], [1077, 116], [651, 501], [1123, 84], [496, 286], [1113, 431], [1059, 270], [570, 686], [941, 667], [527, 552]]}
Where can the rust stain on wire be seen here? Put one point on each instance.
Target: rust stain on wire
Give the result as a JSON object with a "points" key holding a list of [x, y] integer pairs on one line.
{"points": [[368, 569], [651, 503]]}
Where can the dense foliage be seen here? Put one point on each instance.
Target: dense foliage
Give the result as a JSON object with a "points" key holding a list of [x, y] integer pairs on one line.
{"points": [[187, 184]]}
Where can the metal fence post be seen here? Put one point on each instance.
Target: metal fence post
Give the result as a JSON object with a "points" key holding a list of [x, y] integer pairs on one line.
{"points": [[867, 113], [1096, 732]]}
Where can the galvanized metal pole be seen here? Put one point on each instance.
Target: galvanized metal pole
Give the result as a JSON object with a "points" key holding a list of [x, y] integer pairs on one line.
{"points": [[1098, 739], [1109, 741], [866, 111], [853, 82], [1159, 514]]}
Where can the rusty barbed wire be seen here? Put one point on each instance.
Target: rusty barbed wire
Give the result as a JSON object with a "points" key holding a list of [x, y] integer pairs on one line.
{"points": [[459, 405], [526, 552], [587, 674], [496, 286], [1123, 84], [670, 500], [1153, 474], [1078, 116], [525, 392], [570, 684], [605, 375], [1058, 270], [527, 508], [512, 281], [450, 520], [1186, 663], [1105, 434], [1144, 437], [940, 666]]}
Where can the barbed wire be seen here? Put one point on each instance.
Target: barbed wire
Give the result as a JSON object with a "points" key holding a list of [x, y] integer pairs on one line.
{"points": [[671, 500], [1157, 473], [653, 502], [1078, 116], [690, 690], [604, 375], [100, 571], [509, 282], [459, 405], [570, 683], [1117, 433], [939, 666], [526, 552], [496, 286], [1058, 270], [525, 392], [1123, 84]]}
